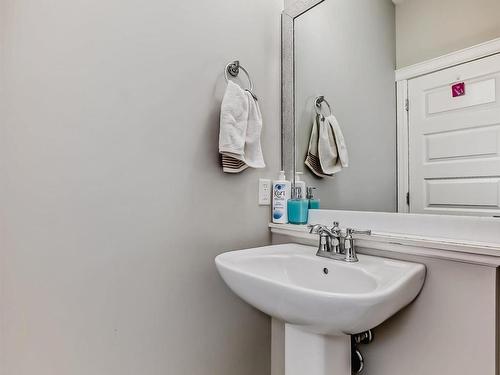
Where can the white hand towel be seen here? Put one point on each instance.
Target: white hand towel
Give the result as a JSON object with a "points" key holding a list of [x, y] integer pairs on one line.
{"points": [[253, 149], [312, 158], [240, 129], [327, 149], [233, 121], [339, 141]]}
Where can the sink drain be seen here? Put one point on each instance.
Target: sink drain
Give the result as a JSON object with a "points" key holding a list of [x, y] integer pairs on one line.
{"points": [[325, 271]]}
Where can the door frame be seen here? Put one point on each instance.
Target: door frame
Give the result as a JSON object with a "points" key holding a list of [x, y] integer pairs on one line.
{"points": [[402, 76]]}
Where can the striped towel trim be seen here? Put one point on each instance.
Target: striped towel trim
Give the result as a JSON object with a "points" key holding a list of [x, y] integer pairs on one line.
{"points": [[232, 165], [312, 161]]}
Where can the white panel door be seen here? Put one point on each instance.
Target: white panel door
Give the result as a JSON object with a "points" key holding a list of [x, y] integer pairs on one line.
{"points": [[454, 142]]}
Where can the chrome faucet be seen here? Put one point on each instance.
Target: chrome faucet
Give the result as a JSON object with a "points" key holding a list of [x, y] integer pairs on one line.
{"points": [[334, 244]]}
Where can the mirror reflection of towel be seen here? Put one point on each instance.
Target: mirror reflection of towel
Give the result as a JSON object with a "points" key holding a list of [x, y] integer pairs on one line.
{"points": [[327, 153]]}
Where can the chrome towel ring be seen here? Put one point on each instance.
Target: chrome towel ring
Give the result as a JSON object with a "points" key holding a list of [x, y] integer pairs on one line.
{"points": [[318, 103], [234, 69]]}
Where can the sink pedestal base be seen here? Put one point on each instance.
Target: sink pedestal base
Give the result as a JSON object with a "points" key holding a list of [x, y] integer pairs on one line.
{"points": [[312, 354]]}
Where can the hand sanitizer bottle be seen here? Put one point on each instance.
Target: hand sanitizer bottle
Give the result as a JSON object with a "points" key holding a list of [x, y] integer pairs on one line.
{"points": [[281, 195]]}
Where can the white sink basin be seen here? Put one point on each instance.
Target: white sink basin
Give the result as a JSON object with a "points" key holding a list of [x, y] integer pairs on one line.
{"points": [[319, 295]]}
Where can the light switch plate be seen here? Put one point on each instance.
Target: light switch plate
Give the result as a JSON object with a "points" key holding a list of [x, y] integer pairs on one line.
{"points": [[265, 192]]}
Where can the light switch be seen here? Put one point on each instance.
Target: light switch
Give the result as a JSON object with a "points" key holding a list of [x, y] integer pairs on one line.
{"points": [[264, 192]]}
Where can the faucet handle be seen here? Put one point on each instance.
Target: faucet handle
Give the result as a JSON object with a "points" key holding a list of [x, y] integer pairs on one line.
{"points": [[320, 229], [350, 250], [351, 231], [315, 228]]}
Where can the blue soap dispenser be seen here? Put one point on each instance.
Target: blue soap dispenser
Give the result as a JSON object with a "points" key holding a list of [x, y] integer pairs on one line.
{"points": [[298, 207], [314, 204]]}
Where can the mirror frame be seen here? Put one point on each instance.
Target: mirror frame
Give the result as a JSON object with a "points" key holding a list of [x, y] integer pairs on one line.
{"points": [[288, 16]]}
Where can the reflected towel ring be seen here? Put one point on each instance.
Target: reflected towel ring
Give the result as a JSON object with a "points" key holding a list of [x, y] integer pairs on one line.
{"points": [[318, 102], [234, 69]]}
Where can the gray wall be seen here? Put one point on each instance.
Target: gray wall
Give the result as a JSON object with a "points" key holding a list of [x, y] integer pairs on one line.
{"points": [[352, 64], [430, 28], [112, 202]]}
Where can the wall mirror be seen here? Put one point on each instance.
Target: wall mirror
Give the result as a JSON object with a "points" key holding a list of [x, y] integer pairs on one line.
{"points": [[377, 126]]}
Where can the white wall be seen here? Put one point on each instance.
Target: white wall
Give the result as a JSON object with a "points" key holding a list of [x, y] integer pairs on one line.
{"points": [[345, 50], [430, 28], [112, 202]]}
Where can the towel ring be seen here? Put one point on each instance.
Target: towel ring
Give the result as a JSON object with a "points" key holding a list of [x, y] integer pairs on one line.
{"points": [[318, 102], [234, 69]]}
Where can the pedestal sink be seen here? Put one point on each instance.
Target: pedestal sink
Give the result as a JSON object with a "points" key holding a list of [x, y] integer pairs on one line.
{"points": [[321, 301]]}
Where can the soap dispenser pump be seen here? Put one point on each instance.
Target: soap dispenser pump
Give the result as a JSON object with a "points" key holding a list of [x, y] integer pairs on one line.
{"points": [[314, 204], [300, 183]]}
